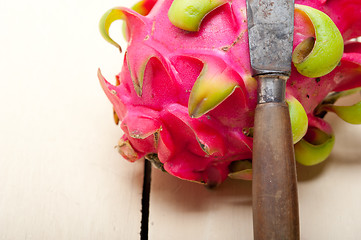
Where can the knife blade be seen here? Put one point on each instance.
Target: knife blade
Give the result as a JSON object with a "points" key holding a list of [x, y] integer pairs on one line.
{"points": [[274, 186], [270, 30]]}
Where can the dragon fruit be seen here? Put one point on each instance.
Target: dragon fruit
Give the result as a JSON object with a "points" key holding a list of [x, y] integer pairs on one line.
{"points": [[185, 97]]}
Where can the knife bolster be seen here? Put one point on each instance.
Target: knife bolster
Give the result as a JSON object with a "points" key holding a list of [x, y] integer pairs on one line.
{"points": [[271, 88]]}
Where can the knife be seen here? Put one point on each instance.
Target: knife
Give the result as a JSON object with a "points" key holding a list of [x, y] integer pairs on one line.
{"points": [[274, 186]]}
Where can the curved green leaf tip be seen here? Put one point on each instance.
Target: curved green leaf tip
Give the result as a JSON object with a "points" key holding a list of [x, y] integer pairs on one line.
{"points": [[314, 148], [106, 20], [188, 14], [350, 114], [299, 119], [318, 57]]}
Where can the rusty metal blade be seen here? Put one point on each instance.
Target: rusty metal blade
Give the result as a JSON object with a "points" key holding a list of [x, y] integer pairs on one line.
{"points": [[270, 34]]}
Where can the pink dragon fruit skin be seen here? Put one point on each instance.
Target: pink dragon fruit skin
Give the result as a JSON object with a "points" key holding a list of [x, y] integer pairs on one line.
{"points": [[163, 63]]}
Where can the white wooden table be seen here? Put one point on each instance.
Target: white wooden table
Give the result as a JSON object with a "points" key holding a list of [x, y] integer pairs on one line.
{"points": [[61, 178]]}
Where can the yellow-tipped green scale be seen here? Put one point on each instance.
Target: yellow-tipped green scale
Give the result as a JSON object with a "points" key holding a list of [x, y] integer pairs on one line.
{"points": [[210, 89]]}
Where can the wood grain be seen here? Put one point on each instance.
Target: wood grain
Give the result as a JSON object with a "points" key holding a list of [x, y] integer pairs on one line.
{"points": [[274, 188], [60, 176], [184, 210]]}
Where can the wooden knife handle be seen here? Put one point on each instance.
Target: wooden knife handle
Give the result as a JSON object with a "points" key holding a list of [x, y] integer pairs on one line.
{"points": [[274, 190]]}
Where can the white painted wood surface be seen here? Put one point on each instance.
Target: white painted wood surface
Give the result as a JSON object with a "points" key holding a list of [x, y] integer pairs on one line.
{"points": [[60, 177], [185, 210]]}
